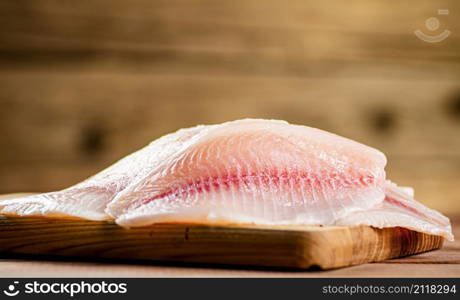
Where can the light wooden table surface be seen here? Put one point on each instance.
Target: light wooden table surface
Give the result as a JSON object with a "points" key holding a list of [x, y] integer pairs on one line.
{"points": [[440, 263]]}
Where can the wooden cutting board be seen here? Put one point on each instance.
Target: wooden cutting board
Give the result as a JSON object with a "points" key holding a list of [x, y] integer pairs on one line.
{"points": [[264, 246]]}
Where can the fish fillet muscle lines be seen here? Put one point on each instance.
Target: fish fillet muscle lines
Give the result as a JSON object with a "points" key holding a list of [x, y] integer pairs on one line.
{"points": [[245, 171]]}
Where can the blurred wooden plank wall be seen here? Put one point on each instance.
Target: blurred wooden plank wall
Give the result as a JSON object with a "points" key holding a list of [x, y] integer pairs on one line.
{"points": [[83, 83]]}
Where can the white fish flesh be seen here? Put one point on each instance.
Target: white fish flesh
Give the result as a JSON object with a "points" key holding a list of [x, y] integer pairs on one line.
{"points": [[245, 171]]}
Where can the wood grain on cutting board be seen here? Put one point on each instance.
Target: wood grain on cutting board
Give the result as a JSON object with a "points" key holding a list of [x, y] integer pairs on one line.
{"points": [[251, 245], [287, 247]]}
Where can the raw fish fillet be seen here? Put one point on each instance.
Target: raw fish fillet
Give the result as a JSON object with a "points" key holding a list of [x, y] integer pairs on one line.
{"points": [[246, 171]]}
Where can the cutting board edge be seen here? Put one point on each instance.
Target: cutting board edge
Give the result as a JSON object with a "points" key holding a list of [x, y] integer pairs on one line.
{"points": [[259, 246], [392, 242]]}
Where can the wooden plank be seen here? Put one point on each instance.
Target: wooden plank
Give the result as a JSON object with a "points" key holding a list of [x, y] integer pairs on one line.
{"points": [[123, 111], [432, 264], [62, 268], [303, 29], [440, 263], [281, 246], [67, 126]]}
